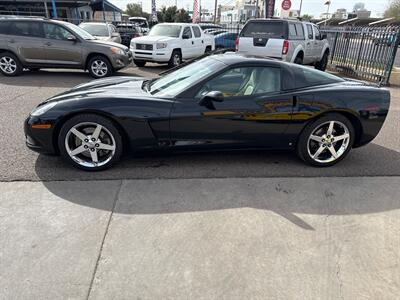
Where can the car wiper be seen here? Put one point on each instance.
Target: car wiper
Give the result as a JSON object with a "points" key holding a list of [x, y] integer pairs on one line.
{"points": [[146, 84]]}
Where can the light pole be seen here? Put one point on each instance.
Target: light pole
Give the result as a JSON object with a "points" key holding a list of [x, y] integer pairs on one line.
{"points": [[301, 6]]}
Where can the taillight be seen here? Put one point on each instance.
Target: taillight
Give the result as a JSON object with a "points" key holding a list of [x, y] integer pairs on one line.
{"points": [[285, 48], [237, 44]]}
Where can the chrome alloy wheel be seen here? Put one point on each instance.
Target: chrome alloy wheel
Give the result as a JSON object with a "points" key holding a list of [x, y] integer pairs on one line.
{"points": [[328, 142], [8, 65], [99, 68], [90, 144]]}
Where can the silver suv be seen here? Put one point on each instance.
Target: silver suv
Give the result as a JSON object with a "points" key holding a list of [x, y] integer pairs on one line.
{"points": [[41, 43], [285, 39]]}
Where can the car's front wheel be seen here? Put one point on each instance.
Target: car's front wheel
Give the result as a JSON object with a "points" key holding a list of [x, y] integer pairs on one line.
{"points": [[323, 63], [326, 141], [176, 59], [99, 67], [10, 65], [90, 142]]}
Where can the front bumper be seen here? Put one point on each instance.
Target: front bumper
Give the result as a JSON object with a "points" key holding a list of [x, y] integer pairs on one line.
{"points": [[120, 61], [39, 140], [157, 55]]}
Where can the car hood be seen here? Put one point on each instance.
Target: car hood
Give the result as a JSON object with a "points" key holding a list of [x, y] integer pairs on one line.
{"points": [[114, 87], [153, 39], [107, 43]]}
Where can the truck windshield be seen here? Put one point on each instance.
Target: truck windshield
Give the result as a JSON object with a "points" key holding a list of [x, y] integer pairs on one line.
{"points": [[268, 29], [166, 30], [176, 82]]}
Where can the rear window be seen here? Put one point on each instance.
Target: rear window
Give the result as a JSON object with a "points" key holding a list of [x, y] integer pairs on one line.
{"points": [[307, 77], [271, 29]]}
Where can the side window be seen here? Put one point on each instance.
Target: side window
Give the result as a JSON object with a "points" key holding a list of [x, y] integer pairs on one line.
{"points": [[292, 31], [31, 29], [310, 32], [187, 32], [248, 81], [196, 31], [55, 32], [4, 27], [317, 33], [300, 31]]}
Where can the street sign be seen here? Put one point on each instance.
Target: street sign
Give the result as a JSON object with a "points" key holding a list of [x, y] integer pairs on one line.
{"points": [[286, 4]]}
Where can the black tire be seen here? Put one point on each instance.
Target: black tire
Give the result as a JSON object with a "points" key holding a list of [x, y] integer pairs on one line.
{"points": [[298, 60], [139, 63], [303, 140], [208, 50], [323, 63], [99, 61], [176, 59], [15, 68], [105, 123]]}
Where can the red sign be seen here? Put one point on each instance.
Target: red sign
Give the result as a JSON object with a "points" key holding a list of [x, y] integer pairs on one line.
{"points": [[286, 4]]}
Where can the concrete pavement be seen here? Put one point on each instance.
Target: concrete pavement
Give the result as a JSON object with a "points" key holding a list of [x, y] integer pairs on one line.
{"points": [[282, 238]]}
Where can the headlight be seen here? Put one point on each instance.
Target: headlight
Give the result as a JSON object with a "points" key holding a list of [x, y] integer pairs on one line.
{"points": [[161, 45], [116, 50], [133, 45], [42, 109]]}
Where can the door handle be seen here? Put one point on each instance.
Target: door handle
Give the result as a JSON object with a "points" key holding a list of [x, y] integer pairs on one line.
{"points": [[192, 43], [202, 41]]}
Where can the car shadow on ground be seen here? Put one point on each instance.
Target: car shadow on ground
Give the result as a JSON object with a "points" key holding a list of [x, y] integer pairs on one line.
{"points": [[374, 161]]}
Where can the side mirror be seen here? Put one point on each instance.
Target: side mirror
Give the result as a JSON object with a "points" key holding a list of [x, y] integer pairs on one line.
{"points": [[324, 36], [114, 34], [71, 38], [208, 99]]}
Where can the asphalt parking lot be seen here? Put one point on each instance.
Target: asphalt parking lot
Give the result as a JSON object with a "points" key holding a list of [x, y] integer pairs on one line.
{"points": [[20, 95], [225, 225]]}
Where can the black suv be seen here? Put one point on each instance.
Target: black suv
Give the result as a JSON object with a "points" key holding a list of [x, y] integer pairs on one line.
{"points": [[36, 43]]}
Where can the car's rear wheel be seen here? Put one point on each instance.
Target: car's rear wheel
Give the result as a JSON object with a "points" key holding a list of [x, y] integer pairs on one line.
{"points": [[298, 60], [326, 141], [90, 142], [99, 67], [10, 64], [323, 63], [139, 63], [176, 59]]}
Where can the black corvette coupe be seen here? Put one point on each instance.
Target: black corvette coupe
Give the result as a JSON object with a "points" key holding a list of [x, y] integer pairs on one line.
{"points": [[222, 101]]}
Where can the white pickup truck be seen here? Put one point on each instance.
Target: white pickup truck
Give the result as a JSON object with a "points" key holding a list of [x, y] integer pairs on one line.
{"points": [[171, 43], [285, 39]]}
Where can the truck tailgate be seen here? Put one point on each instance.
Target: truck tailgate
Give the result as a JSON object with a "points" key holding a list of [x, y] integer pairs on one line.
{"points": [[260, 46]]}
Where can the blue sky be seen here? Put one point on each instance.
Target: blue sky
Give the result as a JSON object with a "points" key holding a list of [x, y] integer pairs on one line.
{"points": [[313, 7]]}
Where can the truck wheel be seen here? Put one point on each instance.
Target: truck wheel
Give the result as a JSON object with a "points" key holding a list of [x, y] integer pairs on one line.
{"points": [[176, 59], [139, 63], [298, 60], [323, 63], [208, 50]]}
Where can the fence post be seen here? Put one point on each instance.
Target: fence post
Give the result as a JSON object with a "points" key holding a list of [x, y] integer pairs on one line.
{"points": [[396, 46], [334, 46]]}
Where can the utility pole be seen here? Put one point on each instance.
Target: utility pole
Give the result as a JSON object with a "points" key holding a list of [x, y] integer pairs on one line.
{"points": [[257, 10], [301, 6], [215, 12]]}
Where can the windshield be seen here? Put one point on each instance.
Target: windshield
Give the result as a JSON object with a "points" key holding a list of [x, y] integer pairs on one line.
{"points": [[82, 33], [174, 83], [166, 30], [95, 29]]}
